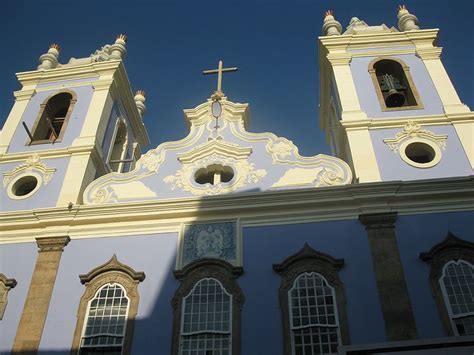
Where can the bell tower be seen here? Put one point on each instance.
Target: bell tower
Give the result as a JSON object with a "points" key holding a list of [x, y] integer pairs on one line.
{"points": [[70, 123], [388, 106]]}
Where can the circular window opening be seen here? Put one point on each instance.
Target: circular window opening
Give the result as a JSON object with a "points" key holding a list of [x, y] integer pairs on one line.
{"points": [[421, 153], [24, 186], [214, 174]]}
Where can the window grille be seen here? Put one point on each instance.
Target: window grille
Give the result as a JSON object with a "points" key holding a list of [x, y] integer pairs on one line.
{"points": [[206, 321], [457, 285], [313, 316], [104, 329]]}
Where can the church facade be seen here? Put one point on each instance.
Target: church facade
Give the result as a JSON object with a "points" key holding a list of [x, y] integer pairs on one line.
{"points": [[231, 242]]}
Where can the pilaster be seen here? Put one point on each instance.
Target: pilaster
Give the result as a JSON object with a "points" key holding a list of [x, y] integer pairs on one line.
{"points": [[14, 118], [35, 311], [446, 91], [363, 155], [74, 184], [390, 277]]}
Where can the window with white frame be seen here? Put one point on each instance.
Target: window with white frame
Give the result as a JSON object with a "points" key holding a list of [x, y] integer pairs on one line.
{"points": [[206, 323], [313, 316], [105, 325], [457, 287]]}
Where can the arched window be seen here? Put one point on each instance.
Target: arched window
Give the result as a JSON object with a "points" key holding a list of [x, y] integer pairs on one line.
{"points": [[118, 150], [104, 329], [312, 302], [313, 316], [107, 309], [394, 84], [457, 285], [206, 324], [207, 309], [52, 118], [452, 280]]}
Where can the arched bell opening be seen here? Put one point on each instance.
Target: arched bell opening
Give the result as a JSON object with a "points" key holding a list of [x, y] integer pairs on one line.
{"points": [[394, 85]]}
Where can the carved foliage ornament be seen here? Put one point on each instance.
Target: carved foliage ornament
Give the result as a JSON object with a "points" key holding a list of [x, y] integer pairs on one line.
{"points": [[32, 166], [244, 171], [413, 130], [414, 141]]}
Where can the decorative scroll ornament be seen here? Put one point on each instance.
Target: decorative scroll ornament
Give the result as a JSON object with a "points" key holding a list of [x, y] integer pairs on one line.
{"points": [[413, 131], [280, 148], [34, 166], [245, 174]]}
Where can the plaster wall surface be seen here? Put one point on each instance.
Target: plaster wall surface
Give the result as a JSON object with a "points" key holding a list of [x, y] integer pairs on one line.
{"points": [[74, 125], [419, 233], [153, 254], [453, 162], [17, 261], [423, 83], [46, 196], [265, 246]]}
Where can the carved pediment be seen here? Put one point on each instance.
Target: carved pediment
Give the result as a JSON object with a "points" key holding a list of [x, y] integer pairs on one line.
{"points": [[215, 147]]}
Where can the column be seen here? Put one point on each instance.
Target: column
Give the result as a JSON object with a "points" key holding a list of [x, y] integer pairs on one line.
{"points": [[390, 277], [35, 311]]}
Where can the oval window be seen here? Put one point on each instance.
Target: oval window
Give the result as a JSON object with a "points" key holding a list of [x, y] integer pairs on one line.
{"points": [[24, 186], [420, 153]]}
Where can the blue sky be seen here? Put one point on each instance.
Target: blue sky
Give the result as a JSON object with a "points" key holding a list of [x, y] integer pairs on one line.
{"points": [[274, 44]]}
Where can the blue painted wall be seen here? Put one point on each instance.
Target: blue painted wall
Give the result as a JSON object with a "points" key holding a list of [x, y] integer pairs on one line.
{"points": [[265, 246], [74, 126], [421, 78], [153, 254], [419, 233], [17, 261], [453, 162], [46, 196]]}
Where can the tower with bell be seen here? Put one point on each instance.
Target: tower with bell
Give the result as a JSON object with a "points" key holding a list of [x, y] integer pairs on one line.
{"points": [[387, 104], [70, 123]]}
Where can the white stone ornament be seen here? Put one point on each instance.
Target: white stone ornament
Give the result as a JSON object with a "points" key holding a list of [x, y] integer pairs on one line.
{"points": [[202, 164], [49, 60], [331, 27], [406, 21], [413, 134], [33, 167], [140, 102]]}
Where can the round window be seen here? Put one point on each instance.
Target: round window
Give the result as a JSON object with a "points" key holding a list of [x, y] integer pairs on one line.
{"points": [[420, 153], [24, 187]]}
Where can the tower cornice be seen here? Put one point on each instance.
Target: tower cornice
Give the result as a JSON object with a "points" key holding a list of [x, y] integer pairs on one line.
{"points": [[419, 38]]}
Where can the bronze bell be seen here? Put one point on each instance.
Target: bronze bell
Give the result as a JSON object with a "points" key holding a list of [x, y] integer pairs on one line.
{"points": [[394, 97]]}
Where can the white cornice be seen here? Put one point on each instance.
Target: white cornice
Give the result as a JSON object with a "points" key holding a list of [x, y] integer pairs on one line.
{"points": [[68, 72], [274, 207], [380, 40]]}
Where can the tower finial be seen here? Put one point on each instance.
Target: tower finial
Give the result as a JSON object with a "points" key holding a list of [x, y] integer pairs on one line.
{"points": [[331, 26], [406, 21], [118, 50], [49, 60], [140, 102], [122, 38]]}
